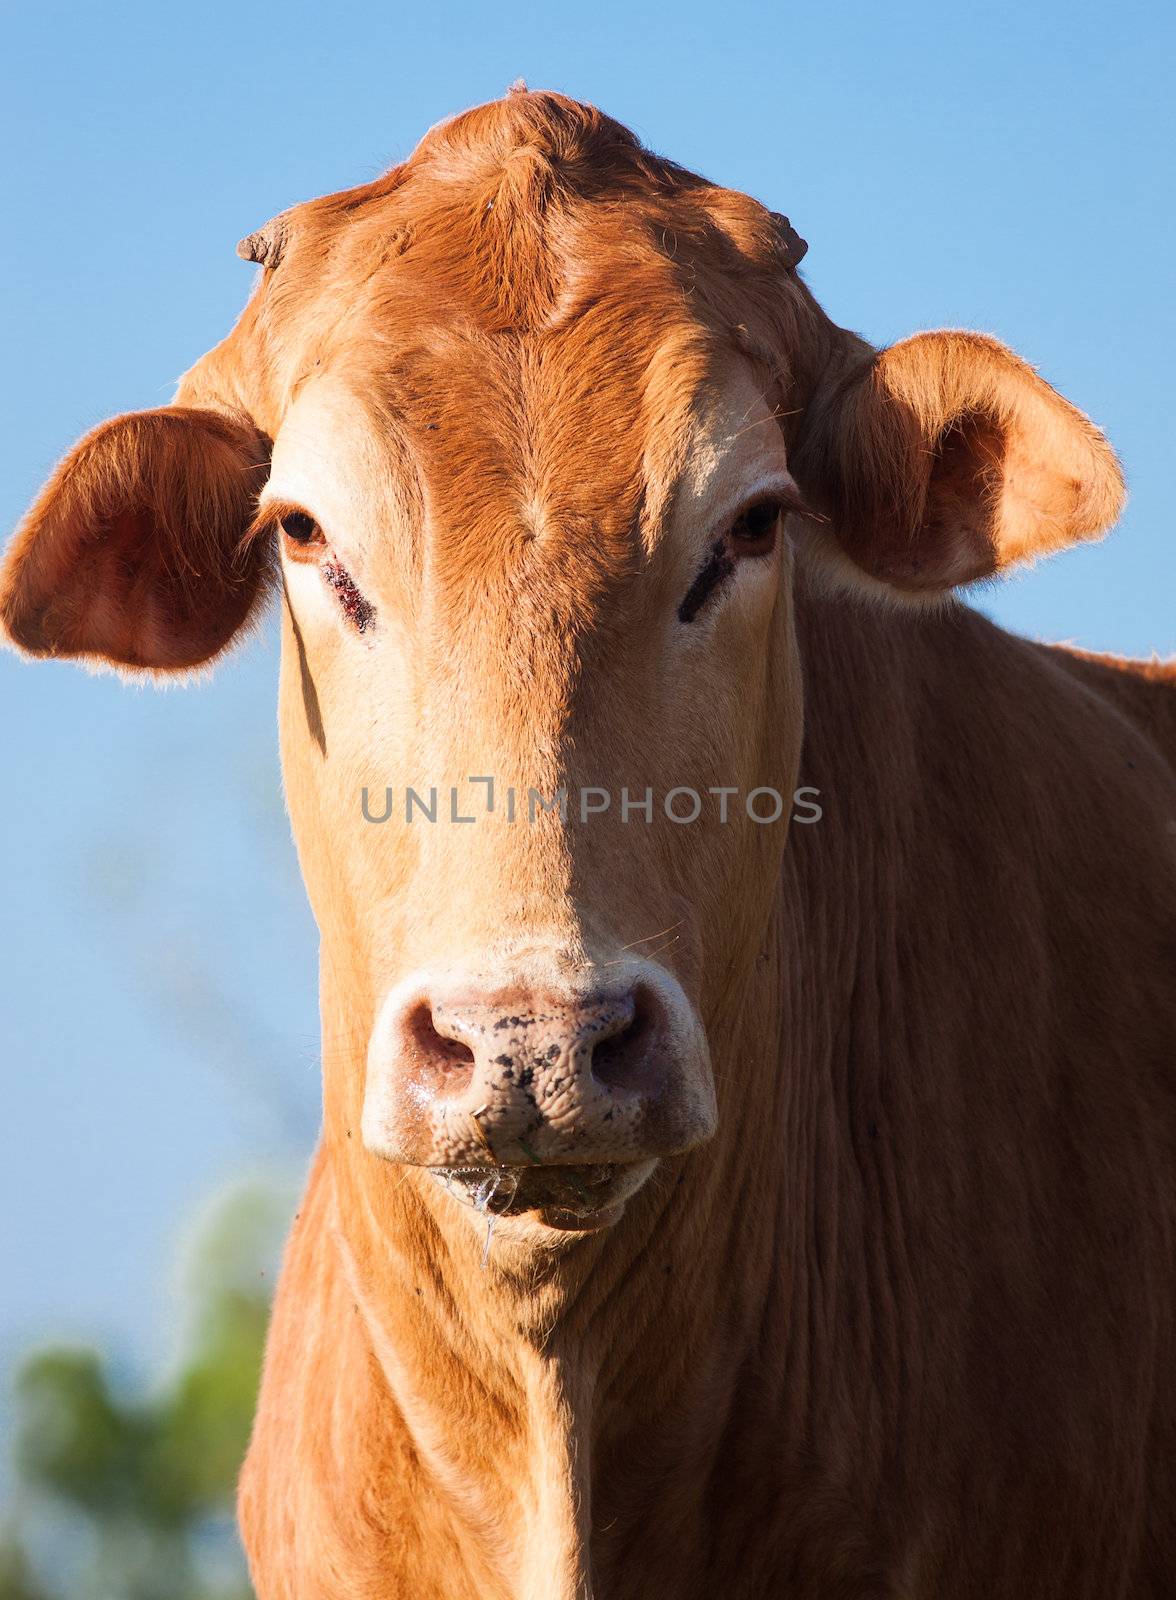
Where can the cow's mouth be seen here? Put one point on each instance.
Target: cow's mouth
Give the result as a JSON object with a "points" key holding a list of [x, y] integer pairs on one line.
{"points": [[567, 1197]]}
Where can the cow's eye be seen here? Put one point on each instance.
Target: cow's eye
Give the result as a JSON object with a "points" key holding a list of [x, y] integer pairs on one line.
{"points": [[753, 533], [301, 528]]}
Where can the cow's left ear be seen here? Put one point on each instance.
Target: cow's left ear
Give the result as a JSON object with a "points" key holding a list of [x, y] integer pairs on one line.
{"points": [[945, 459], [134, 552]]}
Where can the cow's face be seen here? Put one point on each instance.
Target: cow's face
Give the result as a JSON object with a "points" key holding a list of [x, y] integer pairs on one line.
{"points": [[550, 428], [554, 607]]}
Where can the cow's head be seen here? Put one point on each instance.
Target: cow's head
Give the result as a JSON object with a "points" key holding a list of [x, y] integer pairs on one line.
{"points": [[538, 434]]}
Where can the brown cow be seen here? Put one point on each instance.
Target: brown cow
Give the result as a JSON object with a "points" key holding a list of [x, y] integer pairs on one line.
{"points": [[571, 486]]}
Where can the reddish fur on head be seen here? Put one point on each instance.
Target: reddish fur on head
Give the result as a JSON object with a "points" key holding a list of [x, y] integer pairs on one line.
{"points": [[939, 461]]}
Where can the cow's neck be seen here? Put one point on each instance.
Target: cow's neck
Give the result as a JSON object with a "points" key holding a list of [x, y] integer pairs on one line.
{"points": [[626, 1383]]}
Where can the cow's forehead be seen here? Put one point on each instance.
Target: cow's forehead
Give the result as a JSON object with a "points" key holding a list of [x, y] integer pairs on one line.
{"points": [[463, 437]]}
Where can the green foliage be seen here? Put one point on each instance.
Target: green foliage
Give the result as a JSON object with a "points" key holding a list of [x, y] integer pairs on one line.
{"points": [[129, 1496]]}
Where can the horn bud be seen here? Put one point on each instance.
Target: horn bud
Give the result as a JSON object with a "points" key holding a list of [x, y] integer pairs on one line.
{"points": [[266, 245], [792, 247]]}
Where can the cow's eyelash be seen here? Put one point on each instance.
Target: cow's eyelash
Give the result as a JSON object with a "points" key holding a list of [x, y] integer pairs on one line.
{"points": [[281, 519]]}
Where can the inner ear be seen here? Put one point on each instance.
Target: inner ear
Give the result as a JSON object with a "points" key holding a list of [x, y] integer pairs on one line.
{"points": [[946, 459], [133, 554], [962, 507]]}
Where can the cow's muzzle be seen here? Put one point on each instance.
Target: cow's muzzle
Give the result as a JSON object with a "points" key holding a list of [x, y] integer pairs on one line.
{"points": [[530, 1095]]}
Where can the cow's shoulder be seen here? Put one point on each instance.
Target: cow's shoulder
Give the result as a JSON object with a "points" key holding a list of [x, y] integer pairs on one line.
{"points": [[1142, 691]]}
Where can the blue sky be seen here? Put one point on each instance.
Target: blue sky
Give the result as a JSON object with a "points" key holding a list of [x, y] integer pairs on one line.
{"points": [[1003, 167]]}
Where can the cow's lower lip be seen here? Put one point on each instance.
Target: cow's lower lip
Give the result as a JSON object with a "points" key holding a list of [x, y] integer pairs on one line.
{"points": [[568, 1197]]}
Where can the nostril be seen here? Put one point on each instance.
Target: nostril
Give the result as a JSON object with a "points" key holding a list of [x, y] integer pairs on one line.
{"points": [[625, 1058], [443, 1056]]}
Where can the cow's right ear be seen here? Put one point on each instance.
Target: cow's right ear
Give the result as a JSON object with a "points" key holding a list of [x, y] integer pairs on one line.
{"points": [[134, 552]]}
